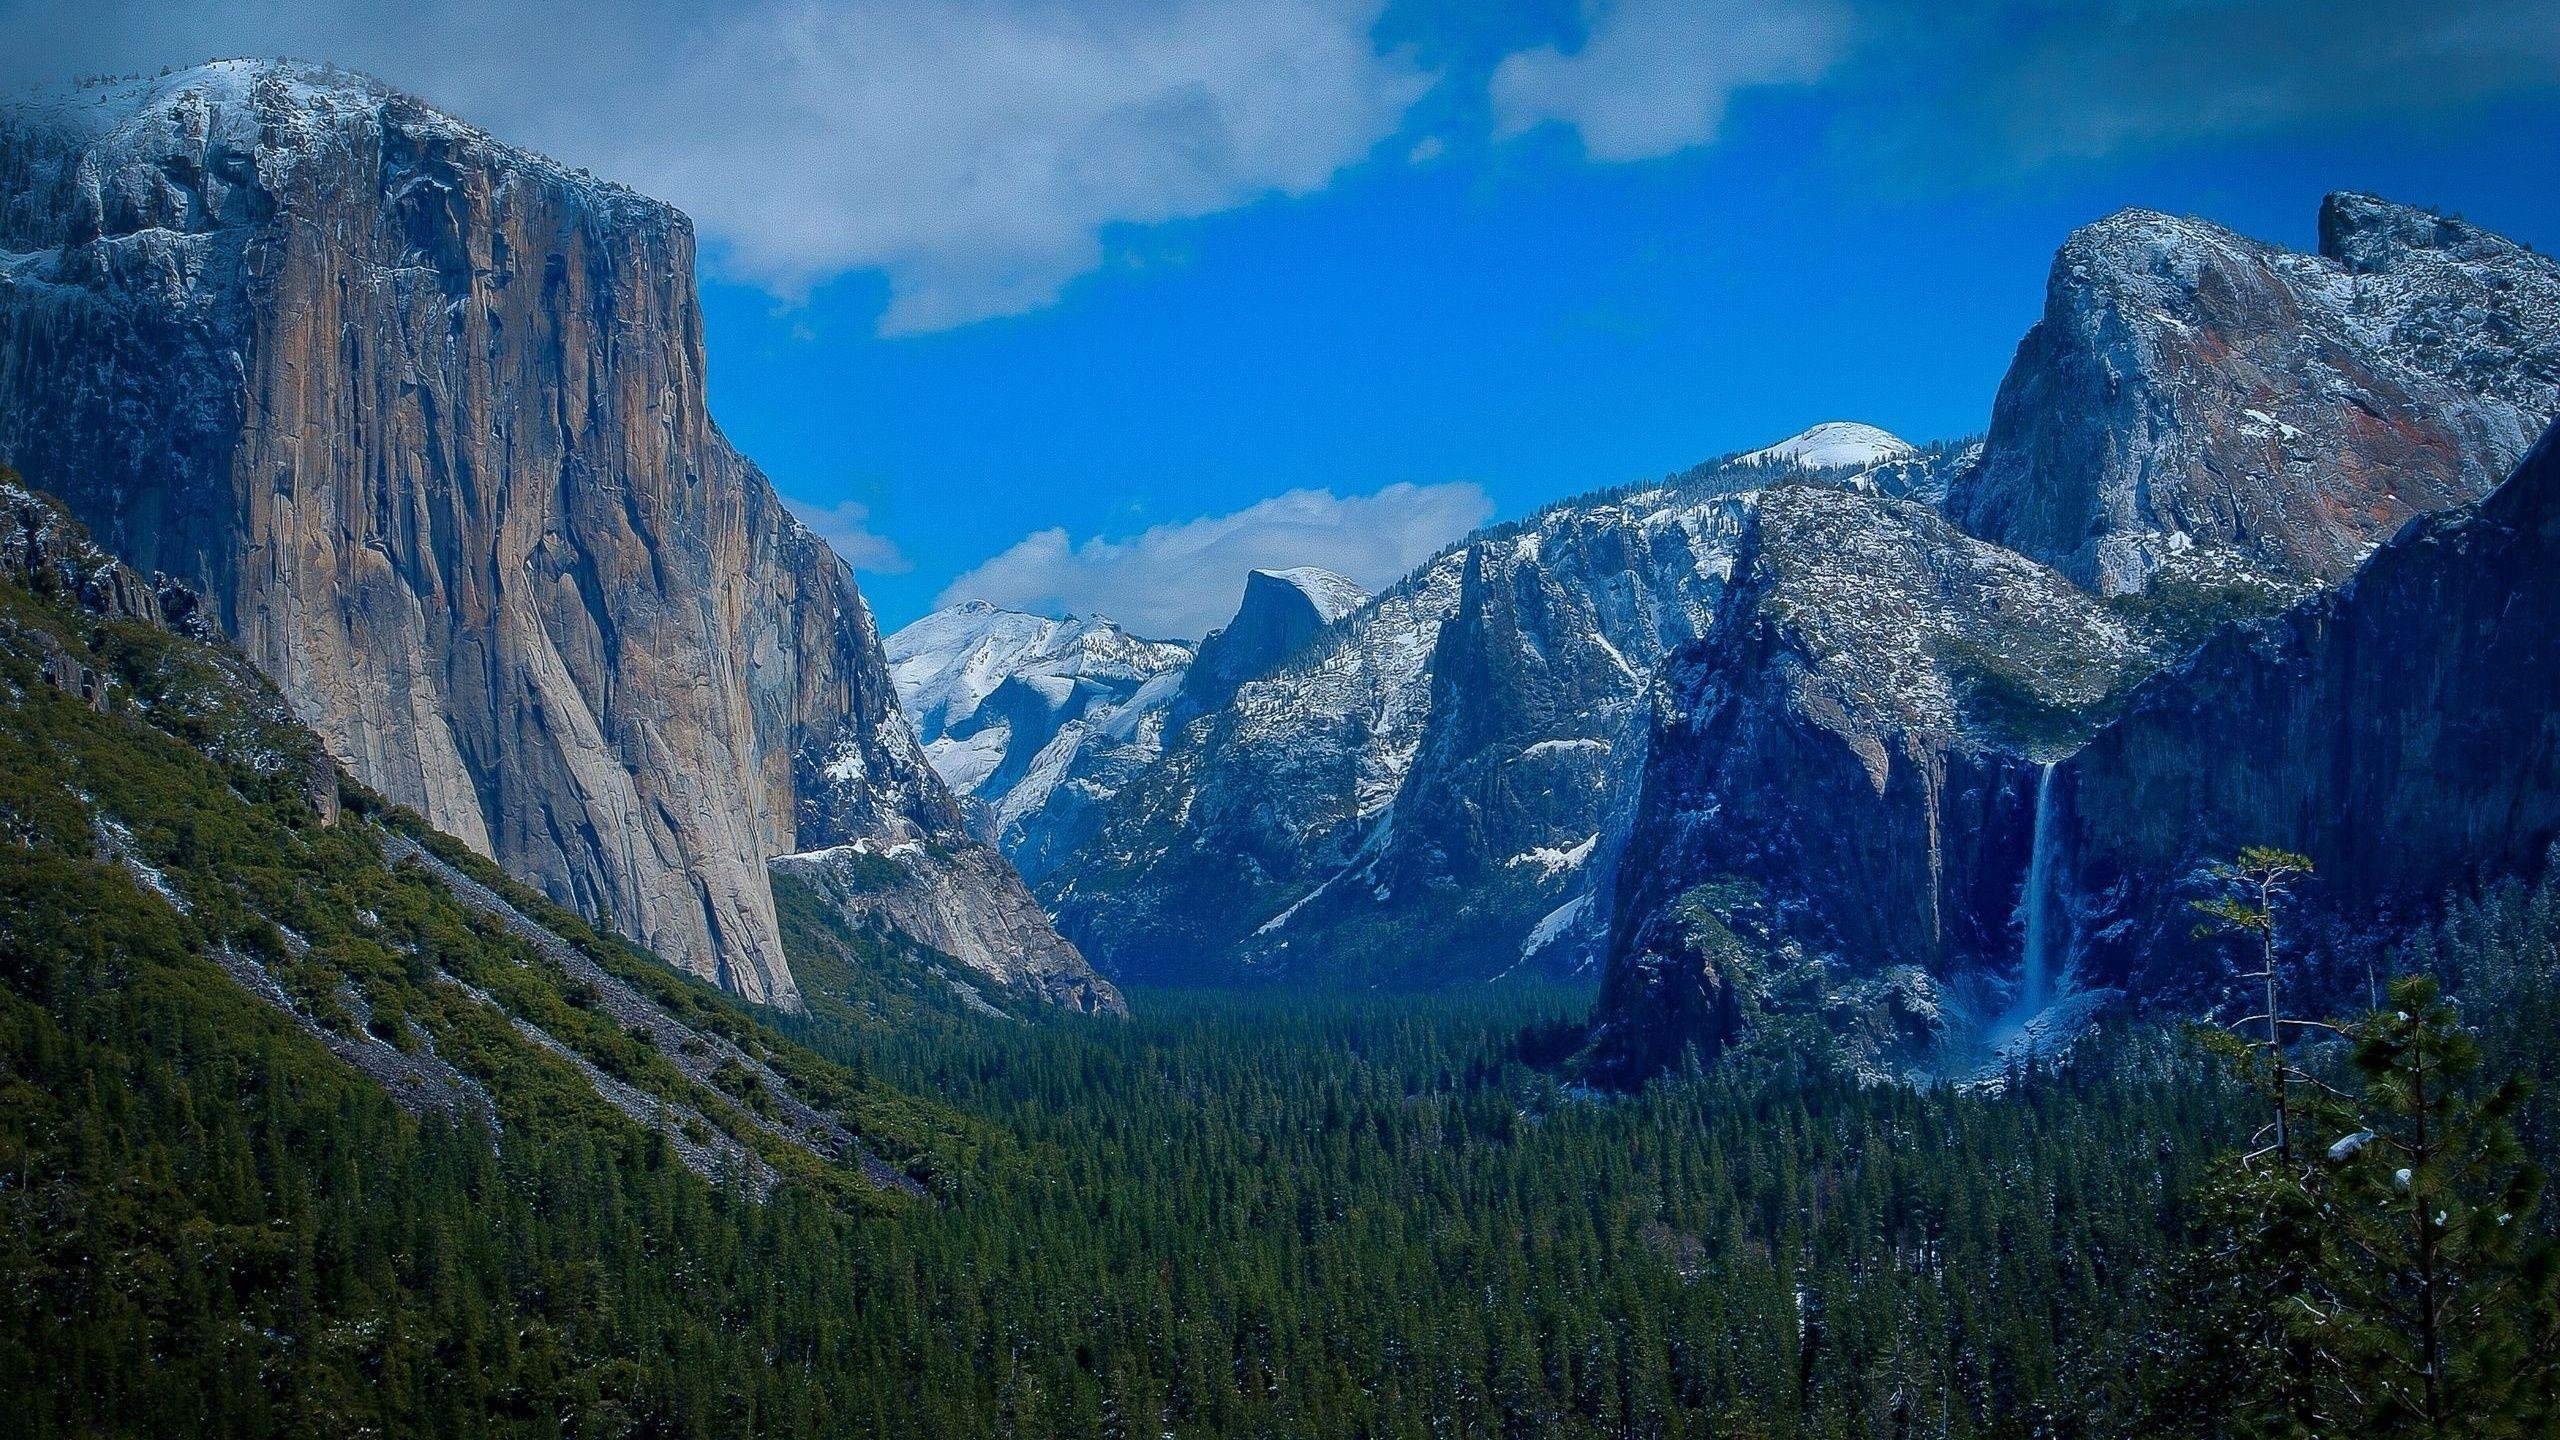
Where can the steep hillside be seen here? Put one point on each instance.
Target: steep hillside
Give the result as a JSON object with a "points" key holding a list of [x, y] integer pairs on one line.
{"points": [[163, 783], [422, 417], [1836, 795], [2193, 399], [2403, 731]]}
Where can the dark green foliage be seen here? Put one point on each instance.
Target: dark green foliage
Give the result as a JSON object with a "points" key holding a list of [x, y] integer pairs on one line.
{"points": [[2184, 608], [2395, 1275]]}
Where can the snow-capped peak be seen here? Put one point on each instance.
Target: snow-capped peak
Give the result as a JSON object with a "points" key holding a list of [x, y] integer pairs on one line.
{"points": [[1835, 445], [1334, 596]]}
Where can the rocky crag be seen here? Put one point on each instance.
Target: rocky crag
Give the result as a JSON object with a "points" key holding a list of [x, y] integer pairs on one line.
{"points": [[2403, 731], [2194, 402], [1281, 613], [422, 417], [1867, 807], [1841, 774]]}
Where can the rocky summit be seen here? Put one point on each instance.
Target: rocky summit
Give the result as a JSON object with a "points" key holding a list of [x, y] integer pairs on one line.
{"points": [[2193, 400], [421, 416]]}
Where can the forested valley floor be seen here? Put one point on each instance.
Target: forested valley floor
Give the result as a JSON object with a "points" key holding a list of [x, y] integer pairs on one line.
{"points": [[1233, 1215]]}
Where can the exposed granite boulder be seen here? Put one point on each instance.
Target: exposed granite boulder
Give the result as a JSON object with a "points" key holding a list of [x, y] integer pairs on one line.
{"points": [[1840, 774], [2403, 731], [2194, 397], [422, 416]]}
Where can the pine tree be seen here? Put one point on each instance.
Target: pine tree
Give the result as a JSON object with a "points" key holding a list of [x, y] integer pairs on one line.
{"points": [[2252, 887], [2392, 1284]]}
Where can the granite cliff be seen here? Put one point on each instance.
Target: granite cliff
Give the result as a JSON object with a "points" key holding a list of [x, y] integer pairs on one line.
{"points": [[1866, 814], [1835, 802], [422, 417], [2403, 731], [2194, 401]]}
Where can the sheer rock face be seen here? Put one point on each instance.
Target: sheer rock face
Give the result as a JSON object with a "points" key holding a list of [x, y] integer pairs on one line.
{"points": [[2189, 391], [1851, 745], [2403, 731], [422, 417], [1281, 612], [1422, 794]]}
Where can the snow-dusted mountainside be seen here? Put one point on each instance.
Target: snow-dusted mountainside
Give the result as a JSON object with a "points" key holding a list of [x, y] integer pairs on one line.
{"points": [[422, 416], [1282, 610], [1860, 802], [1417, 795], [1033, 720], [2403, 731], [2194, 401], [1842, 768]]}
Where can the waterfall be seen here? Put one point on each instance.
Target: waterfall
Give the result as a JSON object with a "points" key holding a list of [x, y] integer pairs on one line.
{"points": [[2046, 925]]}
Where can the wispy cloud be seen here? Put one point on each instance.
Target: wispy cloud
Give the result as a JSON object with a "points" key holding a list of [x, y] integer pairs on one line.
{"points": [[846, 526], [971, 152], [1990, 87], [1183, 579], [2028, 82], [1653, 77]]}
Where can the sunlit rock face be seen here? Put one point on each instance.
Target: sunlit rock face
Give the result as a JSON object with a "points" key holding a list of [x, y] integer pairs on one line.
{"points": [[2403, 731], [422, 416], [2193, 401]]}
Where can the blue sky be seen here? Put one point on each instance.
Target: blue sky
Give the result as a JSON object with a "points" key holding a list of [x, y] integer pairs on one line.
{"points": [[1513, 317], [1091, 306]]}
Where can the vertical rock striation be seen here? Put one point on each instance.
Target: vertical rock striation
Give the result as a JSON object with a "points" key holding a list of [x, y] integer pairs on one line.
{"points": [[422, 416]]}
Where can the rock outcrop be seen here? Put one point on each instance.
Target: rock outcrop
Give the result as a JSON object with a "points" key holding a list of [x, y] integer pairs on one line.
{"points": [[422, 417], [960, 901], [1839, 774], [1281, 612], [2403, 732], [2193, 401]]}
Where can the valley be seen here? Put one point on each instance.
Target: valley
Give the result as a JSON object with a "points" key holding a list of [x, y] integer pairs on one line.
{"points": [[1974, 935]]}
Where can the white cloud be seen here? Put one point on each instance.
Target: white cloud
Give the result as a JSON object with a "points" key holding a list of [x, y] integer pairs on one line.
{"points": [[1184, 579], [847, 527], [1654, 76], [973, 152]]}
